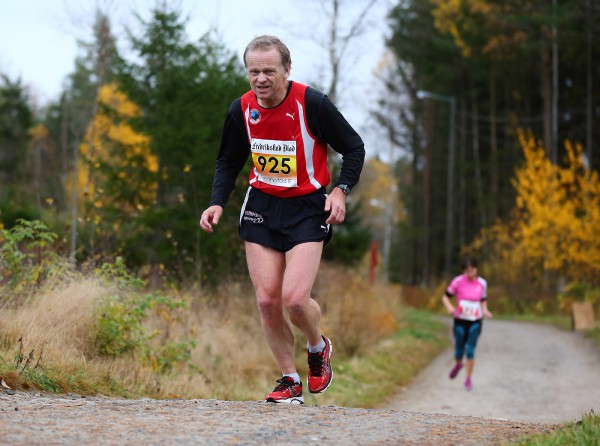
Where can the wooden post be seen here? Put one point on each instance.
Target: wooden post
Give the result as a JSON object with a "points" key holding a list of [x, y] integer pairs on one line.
{"points": [[582, 316], [373, 262]]}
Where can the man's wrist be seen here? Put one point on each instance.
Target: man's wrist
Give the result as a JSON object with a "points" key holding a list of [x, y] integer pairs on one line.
{"points": [[345, 188]]}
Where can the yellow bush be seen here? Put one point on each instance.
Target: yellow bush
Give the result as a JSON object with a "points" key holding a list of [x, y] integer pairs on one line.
{"points": [[553, 231]]}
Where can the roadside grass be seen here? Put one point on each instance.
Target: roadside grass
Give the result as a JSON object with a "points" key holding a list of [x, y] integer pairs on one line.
{"points": [[368, 379], [585, 432], [594, 335], [559, 320], [57, 379], [45, 342], [195, 344]]}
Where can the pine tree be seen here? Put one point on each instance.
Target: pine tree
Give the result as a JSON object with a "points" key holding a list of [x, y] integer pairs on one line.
{"points": [[16, 118], [184, 89]]}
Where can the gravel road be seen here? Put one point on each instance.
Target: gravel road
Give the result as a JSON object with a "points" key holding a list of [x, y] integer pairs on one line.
{"points": [[523, 372], [33, 419], [527, 378]]}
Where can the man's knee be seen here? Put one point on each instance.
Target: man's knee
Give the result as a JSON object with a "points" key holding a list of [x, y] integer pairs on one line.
{"points": [[296, 307], [300, 306], [268, 305]]}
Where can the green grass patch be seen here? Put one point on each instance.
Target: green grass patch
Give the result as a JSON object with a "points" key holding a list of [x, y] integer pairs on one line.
{"points": [[560, 321], [369, 379], [594, 335], [585, 433], [27, 373], [54, 380]]}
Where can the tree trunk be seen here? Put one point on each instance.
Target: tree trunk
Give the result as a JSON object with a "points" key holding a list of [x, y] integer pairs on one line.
{"points": [[494, 150], [590, 92], [429, 126], [477, 164], [546, 92], [462, 218], [554, 150], [334, 57], [415, 205]]}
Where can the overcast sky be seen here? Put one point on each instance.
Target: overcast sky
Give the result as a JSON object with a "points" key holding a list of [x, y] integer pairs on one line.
{"points": [[38, 40]]}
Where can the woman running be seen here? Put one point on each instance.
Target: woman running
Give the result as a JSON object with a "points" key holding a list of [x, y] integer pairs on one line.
{"points": [[470, 291]]}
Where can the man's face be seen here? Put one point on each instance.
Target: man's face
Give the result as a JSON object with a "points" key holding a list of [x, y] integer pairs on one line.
{"points": [[267, 76]]}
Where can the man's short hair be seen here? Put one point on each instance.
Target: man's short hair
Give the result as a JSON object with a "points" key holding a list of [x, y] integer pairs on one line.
{"points": [[267, 42]]}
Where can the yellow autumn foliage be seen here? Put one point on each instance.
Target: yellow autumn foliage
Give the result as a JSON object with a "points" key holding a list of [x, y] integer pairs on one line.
{"points": [[38, 131], [111, 144], [554, 229], [464, 18], [449, 18], [111, 96]]}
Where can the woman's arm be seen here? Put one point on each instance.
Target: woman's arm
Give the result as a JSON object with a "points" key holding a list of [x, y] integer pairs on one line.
{"points": [[449, 307], [484, 307]]}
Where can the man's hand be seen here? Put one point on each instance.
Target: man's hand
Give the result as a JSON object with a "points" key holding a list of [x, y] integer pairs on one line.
{"points": [[210, 217], [336, 203]]}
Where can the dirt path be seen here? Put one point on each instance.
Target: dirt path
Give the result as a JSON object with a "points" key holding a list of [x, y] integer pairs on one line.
{"points": [[527, 378], [524, 372], [30, 419]]}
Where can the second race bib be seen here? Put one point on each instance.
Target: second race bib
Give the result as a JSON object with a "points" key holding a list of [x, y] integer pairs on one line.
{"points": [[469, 310]]}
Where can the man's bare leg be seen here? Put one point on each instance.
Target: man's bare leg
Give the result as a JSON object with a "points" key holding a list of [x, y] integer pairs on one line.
{"points": [[284, 282], [267, 267], [302, 266]]}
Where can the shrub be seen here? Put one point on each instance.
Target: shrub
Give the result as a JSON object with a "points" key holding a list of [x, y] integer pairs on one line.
{"points": [[26, 255], [121, 317]]}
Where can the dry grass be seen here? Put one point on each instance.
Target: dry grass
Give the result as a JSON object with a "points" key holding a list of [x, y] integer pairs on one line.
{"points": [[61, 319], [229, 353], [230, 359], [356, 314]]}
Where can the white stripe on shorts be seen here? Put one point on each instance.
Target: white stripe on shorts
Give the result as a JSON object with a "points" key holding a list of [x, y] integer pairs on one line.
{"points": [[244, 204]]}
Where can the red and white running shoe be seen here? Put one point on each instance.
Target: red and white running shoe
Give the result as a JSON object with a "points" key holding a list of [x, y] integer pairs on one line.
{"points": [[287, 391], [320, 373]]}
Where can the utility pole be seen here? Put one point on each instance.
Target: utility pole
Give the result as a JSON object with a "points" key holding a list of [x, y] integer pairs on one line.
{"points": [[422, 94]]}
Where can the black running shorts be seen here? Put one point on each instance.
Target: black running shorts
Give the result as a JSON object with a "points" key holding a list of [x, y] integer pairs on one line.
{"points": [[282, 223]]}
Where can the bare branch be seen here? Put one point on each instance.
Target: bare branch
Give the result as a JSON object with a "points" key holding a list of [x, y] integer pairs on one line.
{"points": [[19, 357], [29, 359], [39, 361], [355, 28]]}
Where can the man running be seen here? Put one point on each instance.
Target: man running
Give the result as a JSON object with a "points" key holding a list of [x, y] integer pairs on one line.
{"points": [[287, 215]]}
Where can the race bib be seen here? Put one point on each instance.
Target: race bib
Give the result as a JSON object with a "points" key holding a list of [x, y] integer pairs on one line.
{"points": [[469, 310], [275, 162]]}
